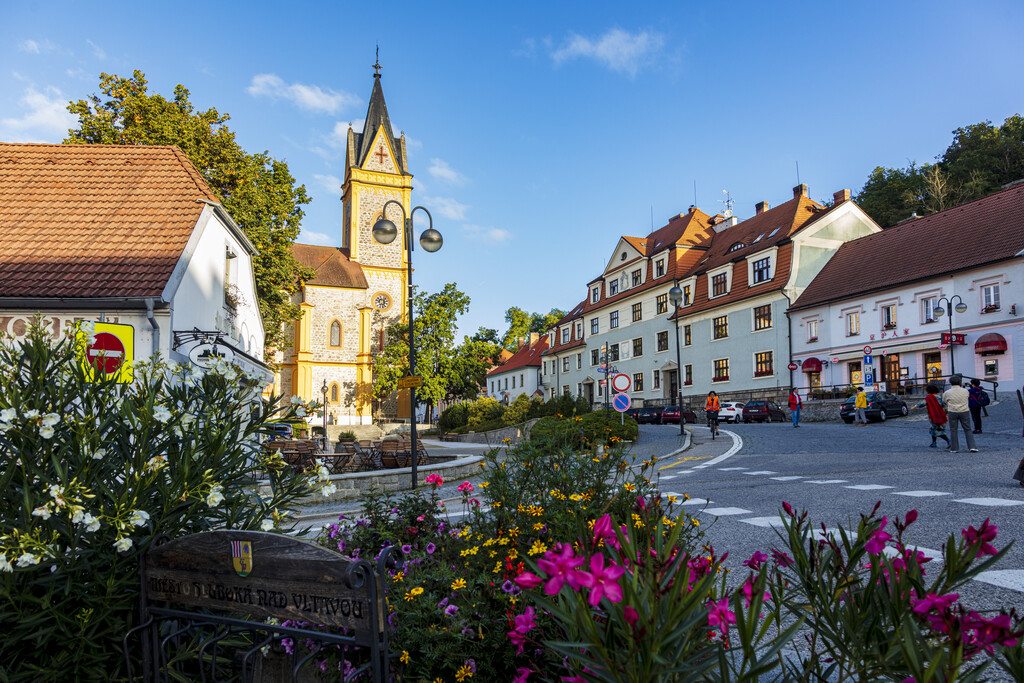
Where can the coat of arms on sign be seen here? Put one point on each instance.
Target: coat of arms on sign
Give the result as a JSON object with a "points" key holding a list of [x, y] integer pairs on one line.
{"points": [[241, 557]]}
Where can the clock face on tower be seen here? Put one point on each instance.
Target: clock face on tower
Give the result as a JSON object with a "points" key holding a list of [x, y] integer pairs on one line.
{"points": [[381, 301]]}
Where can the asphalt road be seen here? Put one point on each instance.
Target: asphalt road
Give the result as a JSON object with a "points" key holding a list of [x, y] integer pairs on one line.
{"points": [[837, 472]]}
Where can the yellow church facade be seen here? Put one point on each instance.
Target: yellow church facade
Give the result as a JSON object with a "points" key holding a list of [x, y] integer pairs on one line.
{"points": [[359, 288]]}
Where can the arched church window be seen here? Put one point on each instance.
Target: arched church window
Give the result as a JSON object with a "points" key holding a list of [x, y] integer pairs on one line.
{"points": [[334, 393], [335, 333]]}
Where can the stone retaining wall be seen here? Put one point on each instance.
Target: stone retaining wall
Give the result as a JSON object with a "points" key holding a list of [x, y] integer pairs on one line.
{"points": [[495, 437]]}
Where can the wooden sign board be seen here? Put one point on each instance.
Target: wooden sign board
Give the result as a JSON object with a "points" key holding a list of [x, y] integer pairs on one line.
{"points": [[410, 382], [266, 575]]}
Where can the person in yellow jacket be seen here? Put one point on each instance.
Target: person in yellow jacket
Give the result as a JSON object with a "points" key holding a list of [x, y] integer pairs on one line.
{"points": [[861, 405]]}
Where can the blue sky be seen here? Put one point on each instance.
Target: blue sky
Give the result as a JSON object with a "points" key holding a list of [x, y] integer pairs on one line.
{"points": [[540, 132]]}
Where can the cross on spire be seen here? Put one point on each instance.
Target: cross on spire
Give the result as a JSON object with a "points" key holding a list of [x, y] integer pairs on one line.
{"points": [[376, 65], [380, 154]]}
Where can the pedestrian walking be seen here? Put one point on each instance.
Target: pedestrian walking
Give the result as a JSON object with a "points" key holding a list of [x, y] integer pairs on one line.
{"points": [[957, 402], [861, 405], [976, 402], [936, 415], [795, 404]]}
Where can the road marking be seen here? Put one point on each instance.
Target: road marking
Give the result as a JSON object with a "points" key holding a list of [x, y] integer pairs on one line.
{"points": [[921, 494], [680, 461], [775, 522], [730, 469], [825, 481], [791, 478], [737, 444], [989, 501], [759, 472], [721, 512], [868, 487], [692, 501], [1004, 578]]}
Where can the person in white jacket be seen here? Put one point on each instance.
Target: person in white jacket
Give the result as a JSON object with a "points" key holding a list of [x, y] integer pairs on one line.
{"points": [[957, 400]]}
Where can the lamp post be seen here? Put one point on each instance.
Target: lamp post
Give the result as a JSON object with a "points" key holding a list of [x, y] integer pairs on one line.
{"points": [[675, 295], [323, 390], [385, 232], [939, 311]]}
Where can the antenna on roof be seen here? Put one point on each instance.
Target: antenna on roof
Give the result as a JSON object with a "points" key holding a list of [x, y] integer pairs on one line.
{"points": [[728, 201], [695, 192], [797, 172]]}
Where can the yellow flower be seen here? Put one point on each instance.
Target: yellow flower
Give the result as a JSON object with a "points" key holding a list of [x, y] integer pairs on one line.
{"points": [[458, 583], [484, 484], [694, 522], [399, 576], [537, 548], [575, 497], [416, 591], [629, 487], [672, 499], [463, 673], [538, 526], [496, 504], [404, 657], [497, 567]]}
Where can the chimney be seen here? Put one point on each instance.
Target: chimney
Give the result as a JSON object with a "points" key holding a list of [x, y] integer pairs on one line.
{"points": [[519, 342], [840, 196], [761, 207], [800, 190], [534, 336]]}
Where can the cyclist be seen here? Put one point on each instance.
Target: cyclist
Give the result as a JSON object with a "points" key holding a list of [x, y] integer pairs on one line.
{"points": [[711, 407]]}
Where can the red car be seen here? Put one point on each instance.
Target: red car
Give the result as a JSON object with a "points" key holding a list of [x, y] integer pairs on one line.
{"points": [[672, 415]]}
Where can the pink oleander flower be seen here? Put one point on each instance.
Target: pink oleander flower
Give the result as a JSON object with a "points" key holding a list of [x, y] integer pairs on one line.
{"points": [[522, 674], [465, 487], [877, 542], [602, 582], [788, 508], [932, 602], [631, 616], [560, 566], [748, 592], [434, 479], [603, 528], [756, 560], [781, 558], [994, 631], [911, 518], [528, 580], [525, 622], [720, 615], [985, 534]]}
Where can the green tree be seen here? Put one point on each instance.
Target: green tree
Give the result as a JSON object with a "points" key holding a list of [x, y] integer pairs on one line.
{"points": [[983, 157], [473, 359], [892, 194], [542, 322], [519, 322], [257, 190]]}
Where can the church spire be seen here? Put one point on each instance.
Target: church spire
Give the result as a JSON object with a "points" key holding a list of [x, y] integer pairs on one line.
{"points": [[377, 116]]}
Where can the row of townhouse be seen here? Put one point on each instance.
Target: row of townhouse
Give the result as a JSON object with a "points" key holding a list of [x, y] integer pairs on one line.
{"points": [[768, 302]]}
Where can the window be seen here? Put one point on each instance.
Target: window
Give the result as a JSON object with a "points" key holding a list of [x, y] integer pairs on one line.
{"points": [[687, 375], [593, 326], [638, 381], [565, 364], [735, 247], [659, 268], [565, 389], [656, 379], [663, 340], [579, 388], [335, 333], [888, 317], [636, 277], [613, 353], [513, 381], [928, 305], [506, 383], [613, 319], [522, 383], [565, 335], [686, 295], [812, 330], [593, 356], [719, 284], [686, 335], [852, 324], [579, 361], [721, 370], [661, 302], [334, 393], [762, 269], [638, 312], [492, 387], [763, 317], [720, 326], [989, 298], [613, 287], [638, 347], [595, 294], [579, 329], [763, 364]]}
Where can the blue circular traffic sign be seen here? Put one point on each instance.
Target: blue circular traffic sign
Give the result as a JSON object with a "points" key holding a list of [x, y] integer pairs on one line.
{"points": [[621, 402]]}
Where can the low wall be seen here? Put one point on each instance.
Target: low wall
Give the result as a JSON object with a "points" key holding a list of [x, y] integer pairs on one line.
{"points": [[496, 437], [827, 410], [354, 485]]}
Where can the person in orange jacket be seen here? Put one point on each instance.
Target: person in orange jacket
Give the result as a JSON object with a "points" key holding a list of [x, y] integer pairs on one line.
{"points": [[712, 406]]}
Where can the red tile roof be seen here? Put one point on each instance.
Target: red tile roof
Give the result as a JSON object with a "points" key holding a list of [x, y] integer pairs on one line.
{"points": [[83, 221], [333, 267], [984, 231], [526, 355]]}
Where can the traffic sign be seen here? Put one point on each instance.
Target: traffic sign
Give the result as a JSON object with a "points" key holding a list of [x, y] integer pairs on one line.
{"points": [[111, 351], [792, 366], [955, 338], [620, 402], [410, 382], [869, 360], [621, 382], [867, 350], [869, 378]]}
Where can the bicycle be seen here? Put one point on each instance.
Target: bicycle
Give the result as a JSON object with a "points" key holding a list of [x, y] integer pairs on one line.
{"points": [[712, 416]]}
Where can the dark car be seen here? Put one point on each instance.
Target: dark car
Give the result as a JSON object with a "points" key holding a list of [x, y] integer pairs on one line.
{"points": [[648, 415], [881, 405], [763, 411], [672, 415]]}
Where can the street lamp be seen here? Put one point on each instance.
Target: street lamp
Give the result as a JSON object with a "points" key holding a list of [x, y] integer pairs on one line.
{"points": [[323, 390], [675, 295], [385, 232], [939, 311]]}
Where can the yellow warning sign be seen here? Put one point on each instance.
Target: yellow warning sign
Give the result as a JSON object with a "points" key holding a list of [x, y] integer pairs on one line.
{"points": [[410, 382], [107, 349]]}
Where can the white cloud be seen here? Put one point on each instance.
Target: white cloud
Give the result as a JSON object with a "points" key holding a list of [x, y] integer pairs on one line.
{"points": [[311, 97], [495, 235], [330, 183], [310, 237], [618, 50], [447, 207], [97, 51], [36, 47], [442, 171], [46, 119]]}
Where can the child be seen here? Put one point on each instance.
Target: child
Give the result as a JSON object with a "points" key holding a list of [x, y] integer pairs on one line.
{"points": [[936, 415]]}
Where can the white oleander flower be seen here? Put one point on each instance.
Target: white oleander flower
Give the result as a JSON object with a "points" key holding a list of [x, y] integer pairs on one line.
{"points": [[323, 473], [99, 454], [27, 560], [43, 512], [50, 419], [161, 413], [328, 490], [31, 414], [5, 566], [300, 411], [295, 400], [77, 517], [123, 544], [139, 518], [8, 414], [91, 523], [267, 524], [4, 426], [215, 497], [46, 432]]}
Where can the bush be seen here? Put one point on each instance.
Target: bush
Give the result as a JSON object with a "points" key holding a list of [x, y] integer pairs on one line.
{"points": [[347, 435], [578, 432], [90, 472], [485, 409], [453, 417], [518, 411]]}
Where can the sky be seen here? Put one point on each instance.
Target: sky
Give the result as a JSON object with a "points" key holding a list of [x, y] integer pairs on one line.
{"points": [[539, 132]]}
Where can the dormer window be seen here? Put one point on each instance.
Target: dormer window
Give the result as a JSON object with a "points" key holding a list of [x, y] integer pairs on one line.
{"points": [[636, 277], [613, 287], [762, 270], [659, 268], [736, 247], [595, 295], [719, 284], [565, 335]]}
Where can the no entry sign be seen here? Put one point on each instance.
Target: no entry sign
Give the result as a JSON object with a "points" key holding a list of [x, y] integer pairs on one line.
{"points": [[621, 382], [106, 354], [111, 352], [621, 402]]}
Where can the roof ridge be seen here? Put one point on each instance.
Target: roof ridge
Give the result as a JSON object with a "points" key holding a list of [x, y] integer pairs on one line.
{"points": [[193, 173]]}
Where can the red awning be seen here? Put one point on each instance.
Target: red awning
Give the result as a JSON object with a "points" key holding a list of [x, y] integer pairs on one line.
{"points": [[990, 342], [812, 365]]}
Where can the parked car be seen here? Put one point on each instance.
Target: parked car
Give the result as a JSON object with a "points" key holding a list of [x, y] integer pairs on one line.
{"points": [[763, 411], [280, 430], [731, 411], [672, 415], [688, 416], [648, 415], [881, 405]]}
